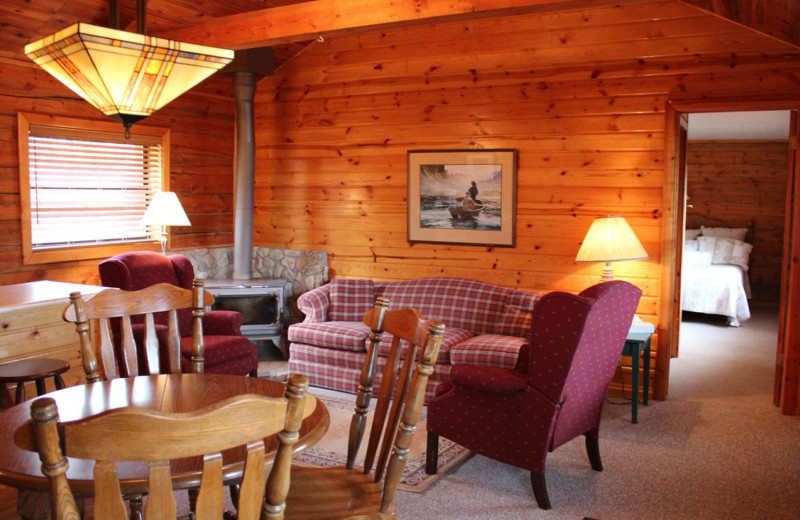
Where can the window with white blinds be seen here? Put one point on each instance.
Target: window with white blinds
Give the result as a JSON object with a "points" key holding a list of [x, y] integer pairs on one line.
{"points": [[89, 187]]}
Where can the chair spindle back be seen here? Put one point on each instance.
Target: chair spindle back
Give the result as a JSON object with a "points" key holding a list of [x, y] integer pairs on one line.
{"points": [[93, 318]]}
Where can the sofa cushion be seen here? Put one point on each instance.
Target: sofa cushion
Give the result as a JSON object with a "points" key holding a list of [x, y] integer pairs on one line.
{"points": [[223, 355], [344, 335], [452, 336], [491, 350], [458, 302], [351, 299], [327, 357], [341, 370], [515, 318], [514, 321], [327, 368]]}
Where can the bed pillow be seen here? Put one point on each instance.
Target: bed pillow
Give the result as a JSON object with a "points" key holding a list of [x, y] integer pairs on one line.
{"points": [[726, 251], [691, 234], [734, 233], [698, 258], [691, 245]]}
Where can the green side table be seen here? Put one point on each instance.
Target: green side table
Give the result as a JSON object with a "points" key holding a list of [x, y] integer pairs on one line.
{"points": [[635, 344]]}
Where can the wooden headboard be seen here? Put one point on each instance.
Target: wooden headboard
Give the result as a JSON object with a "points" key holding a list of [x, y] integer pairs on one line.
{"points": [[695, 221]]}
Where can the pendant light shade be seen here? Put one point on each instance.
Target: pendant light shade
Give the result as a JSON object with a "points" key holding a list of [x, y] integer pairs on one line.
{"points": [[127, 76]]}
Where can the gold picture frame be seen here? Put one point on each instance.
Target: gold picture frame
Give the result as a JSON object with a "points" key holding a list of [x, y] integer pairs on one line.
{"points": [[462, 196]]}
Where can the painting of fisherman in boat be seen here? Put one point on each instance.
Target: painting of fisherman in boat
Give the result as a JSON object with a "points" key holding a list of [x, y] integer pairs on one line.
{"points": [[453, 193], [469, 206], [460, 195]]}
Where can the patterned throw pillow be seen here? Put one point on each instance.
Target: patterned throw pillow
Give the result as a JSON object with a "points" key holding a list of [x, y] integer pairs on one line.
{"points": [[727, 251], [350, 299], [734, 233]]}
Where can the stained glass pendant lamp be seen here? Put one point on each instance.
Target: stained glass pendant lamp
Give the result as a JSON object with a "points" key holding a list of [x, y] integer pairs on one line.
{"points": [[125, 75]]}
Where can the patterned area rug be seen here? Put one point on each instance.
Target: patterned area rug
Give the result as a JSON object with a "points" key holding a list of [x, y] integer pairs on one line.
{"points": [[332, 449]]}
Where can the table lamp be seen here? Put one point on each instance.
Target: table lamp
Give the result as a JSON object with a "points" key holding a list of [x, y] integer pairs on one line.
{"points": [[610, 239], [165, 210]]}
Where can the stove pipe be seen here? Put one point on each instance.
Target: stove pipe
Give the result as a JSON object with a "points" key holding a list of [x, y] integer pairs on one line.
{"points": [[247, 66], [244, 89]]}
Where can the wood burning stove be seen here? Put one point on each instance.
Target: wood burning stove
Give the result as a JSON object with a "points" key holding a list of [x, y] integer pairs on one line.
{"points": [[261, 302]]}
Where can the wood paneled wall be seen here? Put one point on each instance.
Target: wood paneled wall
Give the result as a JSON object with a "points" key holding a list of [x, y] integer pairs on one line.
{"points": [[585, 111], [201, 130], [742, 182], [571, 91]]}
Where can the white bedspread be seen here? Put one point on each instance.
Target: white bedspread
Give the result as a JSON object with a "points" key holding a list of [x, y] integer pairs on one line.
{"points": [[716, 289]]}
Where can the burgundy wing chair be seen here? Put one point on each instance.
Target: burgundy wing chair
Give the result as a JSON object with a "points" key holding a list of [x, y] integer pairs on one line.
{"points": [[226, 350], [555, 393]]}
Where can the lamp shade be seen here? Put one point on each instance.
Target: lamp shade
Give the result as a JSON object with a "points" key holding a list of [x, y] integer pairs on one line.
{"points": [[165, 210], [610, 239], [127, 76]]}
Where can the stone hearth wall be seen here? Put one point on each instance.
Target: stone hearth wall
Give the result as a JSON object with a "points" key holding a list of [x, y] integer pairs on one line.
{"points": [[301, 270]]}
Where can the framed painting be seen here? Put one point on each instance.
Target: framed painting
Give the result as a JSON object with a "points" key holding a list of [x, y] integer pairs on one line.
{"points": [[462, 196]]}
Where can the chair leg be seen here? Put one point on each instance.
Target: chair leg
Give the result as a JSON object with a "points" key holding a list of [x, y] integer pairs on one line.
{"points": [[540, 490], [432, 455], [593, 450], [136, 505], [234, 491]]}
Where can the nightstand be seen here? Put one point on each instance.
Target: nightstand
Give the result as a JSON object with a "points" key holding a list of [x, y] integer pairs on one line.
{"points": [[635, 344]]}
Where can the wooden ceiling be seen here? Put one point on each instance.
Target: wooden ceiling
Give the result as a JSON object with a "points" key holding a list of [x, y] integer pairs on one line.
{"points": [[290, 25], [24, 21]]}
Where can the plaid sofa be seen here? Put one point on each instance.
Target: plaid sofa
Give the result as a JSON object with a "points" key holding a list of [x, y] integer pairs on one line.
{"points": [[484, 324]]}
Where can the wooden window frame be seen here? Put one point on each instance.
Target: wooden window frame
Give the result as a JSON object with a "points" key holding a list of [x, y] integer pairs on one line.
{"points": [[78, 252]]}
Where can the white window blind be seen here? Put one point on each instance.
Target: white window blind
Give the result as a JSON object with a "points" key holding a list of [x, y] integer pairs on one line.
{"points": [[90, 187]]}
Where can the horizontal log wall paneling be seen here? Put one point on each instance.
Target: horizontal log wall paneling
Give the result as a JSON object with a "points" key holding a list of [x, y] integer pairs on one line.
{"points": [[741, 182], [201, 159], [571, 91]]}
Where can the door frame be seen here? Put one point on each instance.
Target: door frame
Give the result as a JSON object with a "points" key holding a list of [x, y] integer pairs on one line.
{"points": [[787, 388]]}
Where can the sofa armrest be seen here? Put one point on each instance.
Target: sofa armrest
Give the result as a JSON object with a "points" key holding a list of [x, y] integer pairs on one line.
{"points": [[487, 380], [315, 304], [223, 323]]}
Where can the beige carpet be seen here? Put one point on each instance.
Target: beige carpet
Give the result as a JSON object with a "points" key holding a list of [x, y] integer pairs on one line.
{"points": [[332, 450]]}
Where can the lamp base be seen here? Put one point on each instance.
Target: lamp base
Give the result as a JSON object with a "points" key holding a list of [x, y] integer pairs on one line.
{"points": [[608, 273], [164, 240]]}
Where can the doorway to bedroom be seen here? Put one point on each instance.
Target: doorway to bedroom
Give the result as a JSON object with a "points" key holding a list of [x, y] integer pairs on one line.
{"points": [[736, 176]]}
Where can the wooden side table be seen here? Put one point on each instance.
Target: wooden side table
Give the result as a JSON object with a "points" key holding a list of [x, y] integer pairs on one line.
{"points": [[635, 344], [26, 370]]}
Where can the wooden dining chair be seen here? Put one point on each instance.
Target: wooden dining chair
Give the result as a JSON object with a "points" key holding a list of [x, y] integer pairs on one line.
{"points": [[139, 434], [160, 351], [114, 345], [368, 491]]}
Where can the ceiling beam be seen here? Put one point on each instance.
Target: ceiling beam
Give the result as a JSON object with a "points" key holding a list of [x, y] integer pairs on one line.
{"points": [[307, 20], [777, 18]]}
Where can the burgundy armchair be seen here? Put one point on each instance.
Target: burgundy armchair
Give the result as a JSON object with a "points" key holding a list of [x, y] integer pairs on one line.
{"points": [[555, 393], [226, 350]]}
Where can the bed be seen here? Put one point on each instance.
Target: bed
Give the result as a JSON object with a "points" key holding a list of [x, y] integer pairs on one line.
{"points": [[714, 276]]}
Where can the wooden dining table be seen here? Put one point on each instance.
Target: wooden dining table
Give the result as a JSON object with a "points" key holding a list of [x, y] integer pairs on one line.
{"points": [[20, 466]]}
